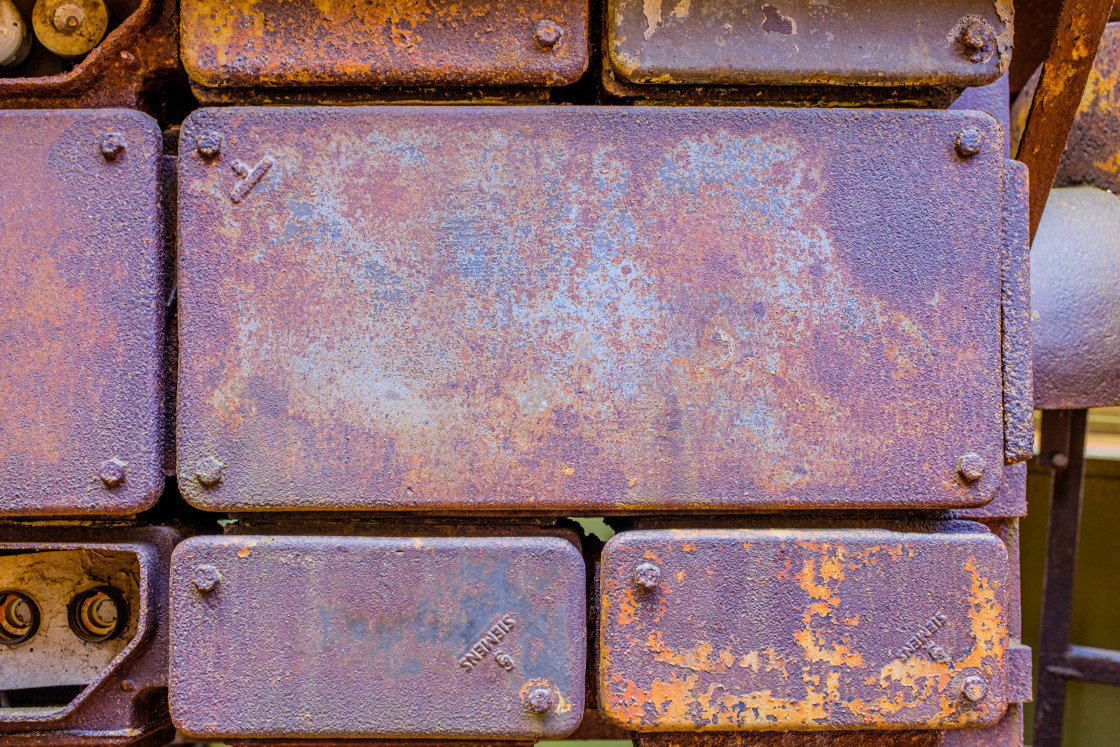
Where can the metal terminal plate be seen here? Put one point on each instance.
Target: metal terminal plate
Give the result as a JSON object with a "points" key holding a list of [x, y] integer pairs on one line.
{"points": [[333, 637], [592, 310], [803, 629], [954, 43], [81, 312], [247, 43]]}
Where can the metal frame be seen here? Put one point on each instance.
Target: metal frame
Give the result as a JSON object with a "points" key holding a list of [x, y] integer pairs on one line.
{"points": [[1059, 661]]}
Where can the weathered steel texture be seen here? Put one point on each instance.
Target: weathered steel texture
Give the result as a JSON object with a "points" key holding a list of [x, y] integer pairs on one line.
{"points": [[332, 637], [588, 310], [396, 43], [81, 329], [1058, 95], [1063, 450], [1075, 304], [1094, 665], [792, 42], [1092, 152], [120, 72], [126, 704], [804, 629], [1018, 395]]}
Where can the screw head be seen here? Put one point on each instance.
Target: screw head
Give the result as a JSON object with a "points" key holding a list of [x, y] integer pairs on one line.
{"points": [[975, 689], [111, 472], [112, 145], [209, 471], [548, 34], [209, 144], [540, 700], [975, 38], [970, 467], [205, 578], [647, 575], [968, 141]]}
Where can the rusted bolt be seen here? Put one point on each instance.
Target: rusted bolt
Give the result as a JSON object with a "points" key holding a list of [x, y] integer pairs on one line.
{"points": [[968, 141], [540, 700], [205, 578], [112, 145], [111, 472], [975, 39], [209, 144], [974, 689], [548, 34], [208, 471], [970, 467], [128, 59], [127, 685], [1058, 460], [647, 575]]}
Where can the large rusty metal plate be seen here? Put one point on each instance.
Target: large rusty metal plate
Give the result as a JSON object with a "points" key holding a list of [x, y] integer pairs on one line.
{"points": [[242, 43], [590, 309], [803, 629], [377, 637], [793, 42], [81, 312]]}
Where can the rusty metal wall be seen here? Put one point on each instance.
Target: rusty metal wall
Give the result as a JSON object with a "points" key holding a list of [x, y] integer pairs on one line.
{"points": [[371, 358]]}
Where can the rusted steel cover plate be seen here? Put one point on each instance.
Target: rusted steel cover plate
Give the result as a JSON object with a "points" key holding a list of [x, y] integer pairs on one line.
{"points": [[377, 637], [803, 629], [791, 42], [81, 312], [239, 43], [588, 309]]}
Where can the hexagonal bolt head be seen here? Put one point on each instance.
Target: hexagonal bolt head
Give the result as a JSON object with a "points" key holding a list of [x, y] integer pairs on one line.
{"points": [[974, 689], [968, 141], [970, 467], [540, 700], [647, 576], [205, 578], [112, 145], [209, 471], [548, 34], [209, 144], [111, 472]]}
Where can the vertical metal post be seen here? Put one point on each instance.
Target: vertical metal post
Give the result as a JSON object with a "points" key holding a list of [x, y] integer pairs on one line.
{"points": [[1063, 450]]}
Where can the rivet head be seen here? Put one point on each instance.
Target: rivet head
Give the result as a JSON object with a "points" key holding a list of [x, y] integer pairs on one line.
{"points": [[970, 467], [112, 145], [548, 34], [974, 689], [205, 578], [540, 700], [111, 472], [647, 575], [209, 471], [968, 141], [209, 144]]}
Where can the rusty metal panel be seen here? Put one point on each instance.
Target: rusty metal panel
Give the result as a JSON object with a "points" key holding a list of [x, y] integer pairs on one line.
{"points": [[1075, 306], [1018, 390], [81, 313], [796, 42], [331, 637], [440, 43], [589, 310], [803, 629]]}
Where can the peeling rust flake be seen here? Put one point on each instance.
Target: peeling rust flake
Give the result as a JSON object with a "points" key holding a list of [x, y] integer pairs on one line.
{"points": [[589, 310], [245, 43], [805, 629]]}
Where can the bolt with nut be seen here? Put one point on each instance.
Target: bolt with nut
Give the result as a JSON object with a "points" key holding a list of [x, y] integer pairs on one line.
{"points": [[112, 145], [548, 34], [540, 700], [208, 471], [968, 141], [974, 689], [111, 472], [206, 578], [970, 467]]}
